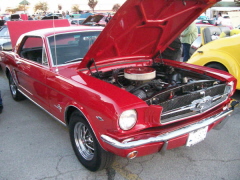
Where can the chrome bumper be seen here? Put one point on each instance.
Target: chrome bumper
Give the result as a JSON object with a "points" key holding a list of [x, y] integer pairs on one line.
{"points": [[167, 136]]}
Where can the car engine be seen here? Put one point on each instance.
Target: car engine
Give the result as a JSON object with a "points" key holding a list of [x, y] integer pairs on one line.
{"points": [[172, 88]]}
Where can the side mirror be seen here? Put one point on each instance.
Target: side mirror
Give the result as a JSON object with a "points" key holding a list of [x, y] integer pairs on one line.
{"points": [[6, 46]]}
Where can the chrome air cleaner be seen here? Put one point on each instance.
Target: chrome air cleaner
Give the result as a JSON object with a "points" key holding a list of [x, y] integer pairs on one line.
{"points": [[139, 73]]}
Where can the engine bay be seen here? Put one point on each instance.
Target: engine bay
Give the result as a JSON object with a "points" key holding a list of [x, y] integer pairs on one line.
{"points": [[157, 83]]}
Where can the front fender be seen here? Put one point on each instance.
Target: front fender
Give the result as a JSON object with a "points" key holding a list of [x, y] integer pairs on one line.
{"points": [[203, 58]]}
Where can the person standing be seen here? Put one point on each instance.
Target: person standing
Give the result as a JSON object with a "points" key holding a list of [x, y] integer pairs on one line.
{"points": [[173, 51], [219, 19], [108, 18], [1, 103], [187, 38]]}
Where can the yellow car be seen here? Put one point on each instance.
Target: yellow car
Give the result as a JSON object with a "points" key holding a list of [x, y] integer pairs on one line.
{"points": [[222, 53]]}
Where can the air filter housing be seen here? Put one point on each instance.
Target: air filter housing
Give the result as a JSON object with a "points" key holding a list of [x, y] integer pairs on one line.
{"points": [[139, 73]]}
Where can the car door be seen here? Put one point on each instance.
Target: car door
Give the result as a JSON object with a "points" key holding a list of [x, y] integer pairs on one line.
{"points": [[32, 69]]}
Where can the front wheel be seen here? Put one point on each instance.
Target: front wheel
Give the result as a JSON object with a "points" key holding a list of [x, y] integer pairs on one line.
{"points": [[17, 96], [85, 145]]}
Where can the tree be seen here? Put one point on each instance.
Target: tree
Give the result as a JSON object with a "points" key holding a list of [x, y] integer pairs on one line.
{"points": [[23, 5], [43, 6], [21, 8], [11, 10], [75, 8], [116, 7], [92, 4], [237, 2]]}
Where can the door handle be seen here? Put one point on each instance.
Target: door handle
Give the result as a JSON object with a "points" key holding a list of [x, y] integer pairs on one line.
{"points": [[18, 62]]}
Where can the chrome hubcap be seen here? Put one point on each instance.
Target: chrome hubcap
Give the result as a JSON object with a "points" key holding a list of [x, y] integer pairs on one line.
{"points": [[13, 87], [84, 141]]}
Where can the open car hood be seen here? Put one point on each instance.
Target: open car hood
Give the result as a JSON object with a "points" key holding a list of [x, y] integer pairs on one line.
{"points": [[93, 19], [143, 28]]}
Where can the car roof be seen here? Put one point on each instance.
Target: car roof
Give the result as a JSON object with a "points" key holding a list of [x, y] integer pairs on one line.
{"points": [[58, 30], [51, 25]]}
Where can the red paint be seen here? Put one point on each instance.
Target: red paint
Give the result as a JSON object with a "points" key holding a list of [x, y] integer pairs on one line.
{"points": [[132, 38], [17, 28]]}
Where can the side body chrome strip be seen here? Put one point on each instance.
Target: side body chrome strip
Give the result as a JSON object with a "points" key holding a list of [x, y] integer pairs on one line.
{"points": [[43, 109]]}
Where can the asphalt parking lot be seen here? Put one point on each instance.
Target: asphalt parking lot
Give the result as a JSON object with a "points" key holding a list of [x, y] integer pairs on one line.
{"points": [[33, 146]]}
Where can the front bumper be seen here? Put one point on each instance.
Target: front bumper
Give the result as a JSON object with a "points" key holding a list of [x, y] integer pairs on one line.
{"points": [[167, 136]]}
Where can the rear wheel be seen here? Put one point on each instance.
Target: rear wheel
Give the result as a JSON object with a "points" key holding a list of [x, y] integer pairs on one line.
{"points": [[85, 145], [217, 66], [17, 96]]}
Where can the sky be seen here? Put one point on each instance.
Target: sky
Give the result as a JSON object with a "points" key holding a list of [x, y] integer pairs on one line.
{"points": [[66, 4]]}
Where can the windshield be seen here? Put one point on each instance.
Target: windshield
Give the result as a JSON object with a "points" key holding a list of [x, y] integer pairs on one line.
{"points": [[71, 47]]}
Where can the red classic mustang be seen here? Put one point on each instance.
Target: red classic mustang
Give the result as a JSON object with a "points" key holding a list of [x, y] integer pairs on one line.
{"points": [[120, 96]]}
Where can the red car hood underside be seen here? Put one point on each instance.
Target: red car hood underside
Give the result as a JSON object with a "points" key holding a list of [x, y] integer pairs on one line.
{"points": [[142, 28]]}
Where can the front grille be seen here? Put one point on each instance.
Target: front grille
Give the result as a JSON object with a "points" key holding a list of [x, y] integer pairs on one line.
{"points": [[192, 103]]}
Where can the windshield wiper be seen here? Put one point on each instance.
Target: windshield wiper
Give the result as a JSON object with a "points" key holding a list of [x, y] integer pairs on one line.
{"points": [[73, 60]]}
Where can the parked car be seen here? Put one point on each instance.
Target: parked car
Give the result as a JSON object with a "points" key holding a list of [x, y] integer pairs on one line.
{"points": [[49, 17], [207, 33], [200, 26], [112, 88], [2, 23], [60, 16], [103, 22], [78, 21], [4, 40], [93, 20], [222, 54], [202, 17], [206, 22], [227, 22], [4, 34]]}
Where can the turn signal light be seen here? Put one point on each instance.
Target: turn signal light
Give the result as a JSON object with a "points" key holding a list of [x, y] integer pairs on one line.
{"points": [[132, 155]]}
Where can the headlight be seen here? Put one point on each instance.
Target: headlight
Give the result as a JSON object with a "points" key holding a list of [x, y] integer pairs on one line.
{"points": [[128, 119]]}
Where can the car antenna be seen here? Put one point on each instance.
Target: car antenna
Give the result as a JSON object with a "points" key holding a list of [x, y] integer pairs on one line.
{"points": [[55, 45], [89, 64]]}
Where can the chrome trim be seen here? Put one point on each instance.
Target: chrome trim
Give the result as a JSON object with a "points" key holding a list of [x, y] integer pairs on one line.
{"points": [[63, 123], [58, 107], [20, 86], [43, 109], [167, 136], [195, 104], [192, 106], [99, 118]]}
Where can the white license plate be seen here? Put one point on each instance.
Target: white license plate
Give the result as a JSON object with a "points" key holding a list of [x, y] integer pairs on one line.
{"points": [[197, 136]]}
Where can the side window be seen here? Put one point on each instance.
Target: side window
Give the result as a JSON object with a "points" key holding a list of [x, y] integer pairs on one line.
{"points": [[32, 49]]}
